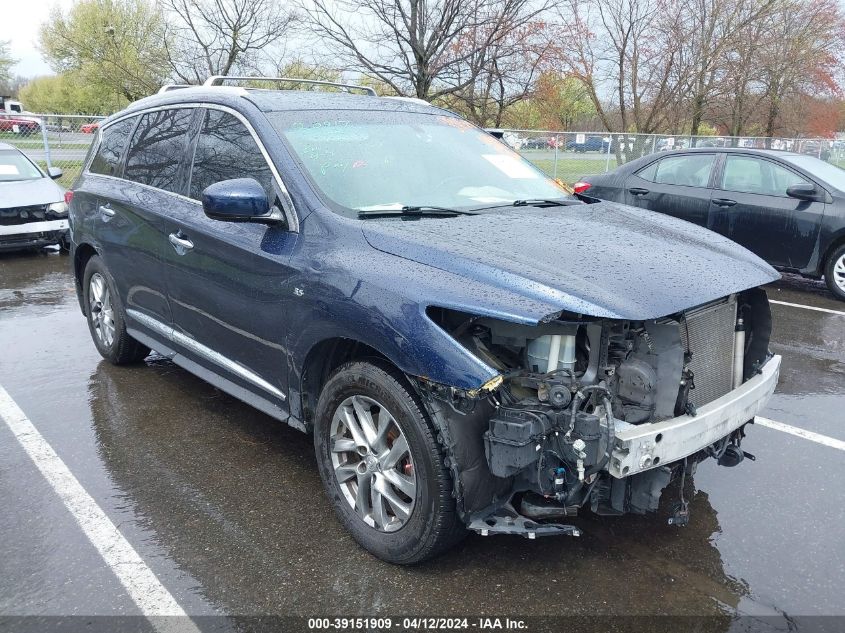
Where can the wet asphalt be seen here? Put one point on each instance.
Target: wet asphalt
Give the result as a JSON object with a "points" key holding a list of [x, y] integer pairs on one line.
{"points": [[225, 505]]}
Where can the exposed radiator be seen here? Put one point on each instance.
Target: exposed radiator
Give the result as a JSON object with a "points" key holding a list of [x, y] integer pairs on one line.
{"points": [[709, 335]]}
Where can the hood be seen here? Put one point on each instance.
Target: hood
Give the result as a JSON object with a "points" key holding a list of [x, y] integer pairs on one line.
{"points": [[27, 193], [604, 260]]}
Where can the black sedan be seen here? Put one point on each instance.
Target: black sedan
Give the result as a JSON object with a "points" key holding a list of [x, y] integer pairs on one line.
{"points": [[787, 208]]}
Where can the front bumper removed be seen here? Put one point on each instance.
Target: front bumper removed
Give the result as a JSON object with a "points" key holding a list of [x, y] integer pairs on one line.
{"points": [[646, 446]]}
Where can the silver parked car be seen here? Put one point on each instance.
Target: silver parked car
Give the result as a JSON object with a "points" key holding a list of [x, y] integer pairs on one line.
{"points": [[33, 210]]}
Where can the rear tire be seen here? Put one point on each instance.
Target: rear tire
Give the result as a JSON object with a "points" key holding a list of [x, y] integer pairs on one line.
{"points": [[413, 521], [106, 319], [834, 273]]}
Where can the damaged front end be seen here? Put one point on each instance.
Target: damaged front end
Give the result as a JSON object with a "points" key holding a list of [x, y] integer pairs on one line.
{"points": [[598, 413]]}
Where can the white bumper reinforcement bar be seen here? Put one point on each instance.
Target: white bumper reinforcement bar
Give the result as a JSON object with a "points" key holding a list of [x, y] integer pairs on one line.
{"points": [[34, 227], [647, 446]]}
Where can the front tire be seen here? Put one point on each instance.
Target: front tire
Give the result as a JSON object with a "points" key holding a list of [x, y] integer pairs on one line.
{"points": [[834, 273], [106, 320], [382, 467]]}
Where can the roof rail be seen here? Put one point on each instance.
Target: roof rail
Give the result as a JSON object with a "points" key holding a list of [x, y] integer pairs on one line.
{"points": [[169, 87], [217, 80]]}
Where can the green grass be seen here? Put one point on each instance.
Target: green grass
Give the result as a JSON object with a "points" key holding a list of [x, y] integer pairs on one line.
{"points": [[70, 167], [569, 170]]}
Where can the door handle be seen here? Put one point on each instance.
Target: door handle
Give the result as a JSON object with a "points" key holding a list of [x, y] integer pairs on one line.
{"points": [[106, 213], [724, 202], [638, 191], [180, 243]]}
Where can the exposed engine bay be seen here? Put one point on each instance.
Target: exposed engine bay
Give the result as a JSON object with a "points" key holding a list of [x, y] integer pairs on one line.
{"points": [[543, 440]]}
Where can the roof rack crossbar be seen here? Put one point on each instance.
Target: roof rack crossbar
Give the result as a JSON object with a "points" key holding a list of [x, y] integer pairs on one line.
{"points": [[217, 80]]}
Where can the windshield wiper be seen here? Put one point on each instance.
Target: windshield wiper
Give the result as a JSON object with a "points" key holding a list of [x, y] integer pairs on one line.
{"points": [[412, 211], [543, 202]]}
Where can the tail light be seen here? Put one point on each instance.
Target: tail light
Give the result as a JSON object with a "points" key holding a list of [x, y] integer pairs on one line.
{"points": [[68, 196], [581, 186]]}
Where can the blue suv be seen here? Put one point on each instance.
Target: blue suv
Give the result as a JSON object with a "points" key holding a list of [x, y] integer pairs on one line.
{"points": [[470, 345]]}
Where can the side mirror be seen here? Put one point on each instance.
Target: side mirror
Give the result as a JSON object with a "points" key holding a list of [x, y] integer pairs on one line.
{"points": [[238, 200], [804, 191], [55, 173]]}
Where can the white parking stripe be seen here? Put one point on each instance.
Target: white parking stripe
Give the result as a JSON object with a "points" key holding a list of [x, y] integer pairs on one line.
{"points": [[801, 305], [798, 432], [140, 582]]}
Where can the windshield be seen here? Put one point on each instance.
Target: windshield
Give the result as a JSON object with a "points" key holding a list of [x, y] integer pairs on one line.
{"points": [[15, 166], [831, 174], [367, 160]]}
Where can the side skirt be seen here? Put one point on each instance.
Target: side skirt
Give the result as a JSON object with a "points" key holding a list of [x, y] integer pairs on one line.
{"points": [[224, 384]]}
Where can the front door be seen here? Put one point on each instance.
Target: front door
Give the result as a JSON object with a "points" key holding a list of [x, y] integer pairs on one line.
{"points": [[750, 206], [229, 282]]}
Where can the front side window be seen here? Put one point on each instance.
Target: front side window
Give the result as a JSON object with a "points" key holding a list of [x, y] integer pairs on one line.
{"points": [[691, 170], [107, 159], [158, 149], [746, 174], [15, 166], [225, 150], [373, 160]]}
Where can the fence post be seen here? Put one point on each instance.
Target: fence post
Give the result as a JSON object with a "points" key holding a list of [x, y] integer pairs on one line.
{"points": [[557, 142], [609, 146], [46, 143]]}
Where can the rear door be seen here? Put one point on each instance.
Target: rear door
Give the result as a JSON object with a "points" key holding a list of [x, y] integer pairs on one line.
{"points": [[228, 281], [133, 216], [677, 185], [750, 206], [125, 226]]}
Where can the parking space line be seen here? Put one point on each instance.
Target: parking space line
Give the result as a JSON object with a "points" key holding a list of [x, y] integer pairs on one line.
{"points": [[145, 590], [799, 432], [801, 305]]}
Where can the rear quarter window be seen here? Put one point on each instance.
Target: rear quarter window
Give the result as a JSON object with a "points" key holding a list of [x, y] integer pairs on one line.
{"points": [[112, 143]]}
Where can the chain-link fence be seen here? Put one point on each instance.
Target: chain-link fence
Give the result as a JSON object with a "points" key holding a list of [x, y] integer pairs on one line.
{"points": [[58, 140], [571, 155], [51, 140]]}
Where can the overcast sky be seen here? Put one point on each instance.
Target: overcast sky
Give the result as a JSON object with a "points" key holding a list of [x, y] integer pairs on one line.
{"points": [[19, 25]]}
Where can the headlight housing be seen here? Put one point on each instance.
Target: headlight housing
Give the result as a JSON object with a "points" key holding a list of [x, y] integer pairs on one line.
{"points": [[59, 208]]}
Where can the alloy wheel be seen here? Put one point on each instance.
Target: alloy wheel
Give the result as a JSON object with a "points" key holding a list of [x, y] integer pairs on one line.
{"points": [[839, 273], [101, 309], [372, 463]]}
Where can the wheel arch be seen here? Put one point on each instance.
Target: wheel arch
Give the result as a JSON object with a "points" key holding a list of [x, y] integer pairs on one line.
{"points": [[82, 253], [325, 357], [836, 242]]}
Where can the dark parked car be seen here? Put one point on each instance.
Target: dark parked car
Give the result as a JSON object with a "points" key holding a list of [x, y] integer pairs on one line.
{"points": [[469, 345], [33, 211], [787, 208], [590, 144], [538, 142]]}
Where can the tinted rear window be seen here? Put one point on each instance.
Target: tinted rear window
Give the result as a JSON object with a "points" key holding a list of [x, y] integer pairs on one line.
{"points": [[157, 150], [107, 159]]}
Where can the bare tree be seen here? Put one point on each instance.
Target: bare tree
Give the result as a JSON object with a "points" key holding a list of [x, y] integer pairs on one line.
{"points": [[710, 29], [417, 47], [627, 55], [802, 53], [214, 37], [513, 66]]}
